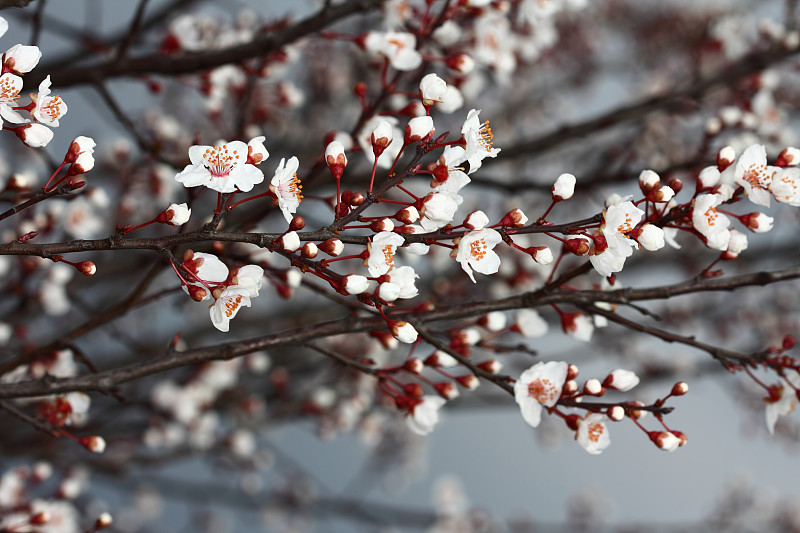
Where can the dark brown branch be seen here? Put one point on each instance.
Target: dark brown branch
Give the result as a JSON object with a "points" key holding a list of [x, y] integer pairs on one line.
{"points": [[499, 380], [133, 31], [36, 22], [119, 242], [108, 380], [61, 190], [366, 369], [132, 301], [39, 425], [720, 354], [191, 63]]}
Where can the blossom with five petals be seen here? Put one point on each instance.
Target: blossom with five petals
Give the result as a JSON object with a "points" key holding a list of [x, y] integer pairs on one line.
{"points": [[539, 386], [287, 187], [381, 252], [592, 433], [712, 225], [227, 305], [478, 138], [475, 252], [785, 400], [48, 108], [223, 168], [10, 86], [753, 173]]}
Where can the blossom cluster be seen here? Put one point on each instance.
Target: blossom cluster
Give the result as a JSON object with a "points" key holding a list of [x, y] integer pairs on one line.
{"points": [[44, 110]]}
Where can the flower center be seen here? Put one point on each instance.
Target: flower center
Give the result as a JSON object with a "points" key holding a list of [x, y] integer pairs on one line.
{"points": [[388, 255], [231, 305], [625, 227], [397, 43], [756, 175], [596, 431], [711, 216], [8, 93], [292, 188], [543, 390], [485, 136], [477, 249], [220, 161], [791, 187], [52, 109]]}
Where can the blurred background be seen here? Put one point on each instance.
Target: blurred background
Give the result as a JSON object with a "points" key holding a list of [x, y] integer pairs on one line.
{"points": [[288, 440]]}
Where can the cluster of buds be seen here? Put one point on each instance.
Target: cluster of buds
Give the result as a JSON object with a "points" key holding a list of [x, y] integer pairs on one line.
{"points": [[551, 386]]}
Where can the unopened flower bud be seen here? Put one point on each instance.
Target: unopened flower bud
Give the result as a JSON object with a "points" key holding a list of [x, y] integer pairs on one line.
{"points": [[431, 89], [309, 250], [198, 294], [103, 521], [34, 135], [789, 157], [333, 247], [572, 371], [381, 137], [570, 387], [81, 144], [256, 151], [446, 390], [648, 181], [651, 237], [83, 164], [493, 366], [407, 215], [352, 198], [725, 158], [461, 63], [418, 128], [384, 224], [615, 413], [94, 443], [290, 241], [708, 177], [177, 214], [593, 387], [388, 292], [757, 222], [297, 223], [577, 246], [663, 194], [621, 380], [336, 158], [680, 388], [414, 365], [541, 254], [632, 412], [87, 268], [413, 390], [354, 284], [514, 218], [665, 440], [403, 331], [476, 220], [469, 381], [564, 187]]}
